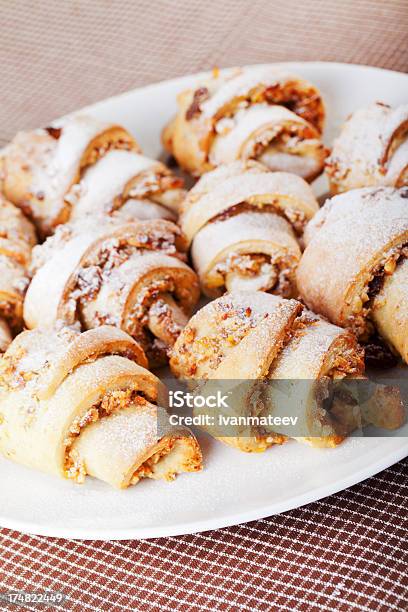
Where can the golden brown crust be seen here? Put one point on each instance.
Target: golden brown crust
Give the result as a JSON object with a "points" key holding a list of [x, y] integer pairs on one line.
{"points": [[360, 236], [243, 222], [236, 336], [68, 348], [250, 336], [111, 273], [371, 150], [265, 103], [40, 167], [17, 237], [75, 404], [128, 185]]}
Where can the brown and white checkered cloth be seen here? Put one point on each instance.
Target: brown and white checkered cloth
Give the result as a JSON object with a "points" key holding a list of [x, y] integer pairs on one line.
{"points": [[346, 552]]}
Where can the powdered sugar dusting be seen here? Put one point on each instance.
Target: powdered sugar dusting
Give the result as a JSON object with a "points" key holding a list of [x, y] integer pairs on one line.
{"points": [[239, 82], [360, 154], [357, 233], [287, 192]]}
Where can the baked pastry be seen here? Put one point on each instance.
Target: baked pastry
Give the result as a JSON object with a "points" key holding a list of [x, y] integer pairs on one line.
{"points": [[354, 269], [74, 404], [128, 185], [5, 335], [245, 337], [244, 223], [371, 150], [17, 237], [131, 275], [40, 167], [257, 113]]}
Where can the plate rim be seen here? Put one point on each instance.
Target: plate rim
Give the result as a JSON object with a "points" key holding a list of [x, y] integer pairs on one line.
{"points": [[192, 527]]}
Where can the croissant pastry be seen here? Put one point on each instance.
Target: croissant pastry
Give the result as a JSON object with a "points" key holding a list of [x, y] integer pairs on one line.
{"points": [[244, 223], [130, 275], [257, 113], [371, 150], [40, 167], [354, 269], [17, 237], [246, 336], [75, 404], [128, 185]]}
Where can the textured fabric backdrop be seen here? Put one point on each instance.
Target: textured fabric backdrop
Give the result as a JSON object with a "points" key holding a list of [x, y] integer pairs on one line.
{"points": [[347, 552], [59, 55]]}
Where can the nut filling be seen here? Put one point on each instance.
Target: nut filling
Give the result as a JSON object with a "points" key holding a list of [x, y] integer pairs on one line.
{"points": [[307, 104], [258, 272], [336, 408], [111, 255], [112, 401], [98, 152], [296, 218], [360, 319], [151, 185]]}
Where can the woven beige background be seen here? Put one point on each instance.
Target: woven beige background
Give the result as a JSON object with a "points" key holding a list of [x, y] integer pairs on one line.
{"points": [[58, 55]]}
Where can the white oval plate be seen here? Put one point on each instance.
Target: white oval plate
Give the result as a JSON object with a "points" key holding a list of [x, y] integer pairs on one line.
{"points": [[234, 487]]}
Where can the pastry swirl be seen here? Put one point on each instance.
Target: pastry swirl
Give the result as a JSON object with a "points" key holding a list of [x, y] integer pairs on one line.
{"points": [[75, 404], [371, 150], [127, 185], [17, 237], [353, 270], [257, 113], [40, 167], [246, 336], [130, 275], [244, 223]]}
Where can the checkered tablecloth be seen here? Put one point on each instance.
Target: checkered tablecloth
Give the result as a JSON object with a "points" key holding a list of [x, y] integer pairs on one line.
{"points": [[346, 552]]}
